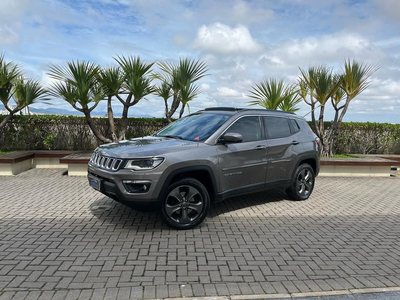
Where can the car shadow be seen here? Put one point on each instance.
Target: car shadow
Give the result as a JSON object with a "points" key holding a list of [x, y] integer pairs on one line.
{"points": [[113, 212]]}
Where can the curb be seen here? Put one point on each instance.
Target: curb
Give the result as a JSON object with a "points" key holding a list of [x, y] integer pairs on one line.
{"points": [[294, 295]]}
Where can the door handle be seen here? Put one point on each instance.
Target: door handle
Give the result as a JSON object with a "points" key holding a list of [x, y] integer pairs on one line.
{"points": [[295, 142], [260, 147]]}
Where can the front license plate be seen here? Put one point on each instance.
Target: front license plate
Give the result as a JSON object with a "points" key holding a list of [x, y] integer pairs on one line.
{"points": [[95, 183]]}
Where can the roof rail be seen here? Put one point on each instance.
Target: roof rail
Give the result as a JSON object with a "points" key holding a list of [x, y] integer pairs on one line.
{"points": [[224, 108], [245, 109]]}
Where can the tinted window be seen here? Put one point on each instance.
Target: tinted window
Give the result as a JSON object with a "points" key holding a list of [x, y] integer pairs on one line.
{"points": [[295, 126], [248, 127], [196, 127], [276, 127]]}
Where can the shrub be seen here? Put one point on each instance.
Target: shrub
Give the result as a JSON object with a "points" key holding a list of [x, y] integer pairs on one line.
{"points": [[367, 138], [72, 133], [45, 132]]}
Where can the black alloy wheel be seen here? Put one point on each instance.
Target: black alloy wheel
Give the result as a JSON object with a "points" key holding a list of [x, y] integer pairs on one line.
{"points": [[302, 184], [186, 205]]}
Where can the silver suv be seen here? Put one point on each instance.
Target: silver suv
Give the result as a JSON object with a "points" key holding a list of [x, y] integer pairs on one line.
{"points": [[205, 158]]}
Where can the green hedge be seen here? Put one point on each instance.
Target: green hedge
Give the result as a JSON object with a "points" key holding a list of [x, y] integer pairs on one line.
{"points": [[51, 132], [367, 138], [73, 133]]}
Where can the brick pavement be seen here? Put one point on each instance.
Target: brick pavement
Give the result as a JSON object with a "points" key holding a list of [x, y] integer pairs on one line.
{"points": [[60, 239]]}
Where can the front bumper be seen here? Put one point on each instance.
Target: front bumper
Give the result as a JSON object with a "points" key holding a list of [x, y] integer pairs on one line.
{"points": [[112, 185]]}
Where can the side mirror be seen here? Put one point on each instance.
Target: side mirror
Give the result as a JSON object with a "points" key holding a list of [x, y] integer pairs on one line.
{"points": [[231, 137]]}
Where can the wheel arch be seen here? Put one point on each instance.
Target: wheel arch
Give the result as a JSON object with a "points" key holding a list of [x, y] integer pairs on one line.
{"points": [[203, 174], [311, 160]]}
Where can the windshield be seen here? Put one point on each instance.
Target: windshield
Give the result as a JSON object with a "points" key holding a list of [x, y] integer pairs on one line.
{"points": [[196, 127]]}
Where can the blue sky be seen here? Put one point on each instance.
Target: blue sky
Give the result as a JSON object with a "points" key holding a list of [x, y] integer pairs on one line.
{"points": [[243, 42]]}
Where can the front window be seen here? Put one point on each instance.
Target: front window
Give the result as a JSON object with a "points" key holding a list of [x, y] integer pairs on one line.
{"points": [[196, 127], [248, 127]]}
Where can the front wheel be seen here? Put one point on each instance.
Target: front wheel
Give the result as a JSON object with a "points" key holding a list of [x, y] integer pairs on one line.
{"points": [[186, 204], [302, 184]]}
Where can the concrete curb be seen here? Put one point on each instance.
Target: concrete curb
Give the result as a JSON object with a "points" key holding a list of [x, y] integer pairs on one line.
{"points": [[294, 295]]}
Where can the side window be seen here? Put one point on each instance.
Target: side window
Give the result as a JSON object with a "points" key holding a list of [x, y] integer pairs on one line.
{"points": [[295, 126], [276, 127], [248, 127]]}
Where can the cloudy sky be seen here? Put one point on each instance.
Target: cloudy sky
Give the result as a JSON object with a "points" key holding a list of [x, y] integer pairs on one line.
{"points": [[242, 42]]}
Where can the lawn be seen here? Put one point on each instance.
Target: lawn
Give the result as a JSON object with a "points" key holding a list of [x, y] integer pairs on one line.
{"points": [[346, 156]]}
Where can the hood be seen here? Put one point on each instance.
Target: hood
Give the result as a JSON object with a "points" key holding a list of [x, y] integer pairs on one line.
{"points": [[145, 147]]}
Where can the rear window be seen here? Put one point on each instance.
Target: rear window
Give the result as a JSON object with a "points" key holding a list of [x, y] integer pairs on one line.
{"points": [[276, 127], [295, 126]]}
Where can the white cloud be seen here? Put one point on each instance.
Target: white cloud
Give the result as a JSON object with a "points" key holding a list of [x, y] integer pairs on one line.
{"points": [[205, 87], [226, 92], [326, 49], [221, 38]]}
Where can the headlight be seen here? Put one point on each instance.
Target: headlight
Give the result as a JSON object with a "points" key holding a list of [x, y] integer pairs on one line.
{"points": [[144, 164]]}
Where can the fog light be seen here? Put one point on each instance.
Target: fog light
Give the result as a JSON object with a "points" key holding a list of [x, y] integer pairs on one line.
{"points": [[137, 186]]}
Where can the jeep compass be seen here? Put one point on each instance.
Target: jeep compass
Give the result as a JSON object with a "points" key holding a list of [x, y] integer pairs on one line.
{"points": [[206, 157]]}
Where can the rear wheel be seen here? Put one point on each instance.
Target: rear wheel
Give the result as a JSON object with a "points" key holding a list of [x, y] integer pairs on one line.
{"points": [[186, 204], [303, 183]]}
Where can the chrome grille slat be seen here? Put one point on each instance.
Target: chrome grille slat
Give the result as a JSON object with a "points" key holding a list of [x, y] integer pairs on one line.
{"points": [[105, 162]]}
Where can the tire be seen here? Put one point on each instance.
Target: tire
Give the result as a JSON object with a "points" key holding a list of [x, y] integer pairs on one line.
{"points": [[302, 183], [186, 204]]}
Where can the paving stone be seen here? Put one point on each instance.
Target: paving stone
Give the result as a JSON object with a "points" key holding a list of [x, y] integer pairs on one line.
{"points": [[66, 240]]}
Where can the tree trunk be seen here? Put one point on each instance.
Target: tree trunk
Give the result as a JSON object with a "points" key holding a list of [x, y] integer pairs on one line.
{"points": [[174, 107], [166, 110], [124, 122], [111, 119], [335, 130], [182, 110], [321, 120], [332, 133], [93, 127], [5, 120], [346, 105]]}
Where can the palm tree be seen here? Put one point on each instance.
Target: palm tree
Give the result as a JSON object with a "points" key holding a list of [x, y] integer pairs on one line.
{"points": [[165, 92], [320, 84], [180, 77], [354, 81], [137, 84], [273, 94], [77, 83], [14, 87], [112, 79]]}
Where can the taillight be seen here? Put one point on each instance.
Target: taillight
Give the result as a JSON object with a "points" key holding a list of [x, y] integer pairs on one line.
{"points": [[318, 142]]}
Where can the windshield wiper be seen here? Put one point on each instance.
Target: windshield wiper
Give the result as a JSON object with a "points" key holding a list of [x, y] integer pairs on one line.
{"points": [[173, 136]]}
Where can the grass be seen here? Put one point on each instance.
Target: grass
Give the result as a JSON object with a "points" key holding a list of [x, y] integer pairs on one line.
{"points": [[346, 156], [4, 152]]}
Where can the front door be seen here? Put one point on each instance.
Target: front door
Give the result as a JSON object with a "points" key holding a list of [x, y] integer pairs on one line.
{"points": [[243, 165]]}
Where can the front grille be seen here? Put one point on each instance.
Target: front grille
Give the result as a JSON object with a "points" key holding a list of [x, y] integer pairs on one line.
{"points": [[105, 162]]}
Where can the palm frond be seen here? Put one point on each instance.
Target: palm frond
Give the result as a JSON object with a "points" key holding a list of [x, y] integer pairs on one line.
{"points": [[269, 93], [355, 77], [111, 79], [28, 92], [9, 73], [137, 76], [79, 78], [164, 91]]}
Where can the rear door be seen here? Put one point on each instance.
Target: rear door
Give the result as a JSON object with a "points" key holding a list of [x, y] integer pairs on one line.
{"points": [[243, 165], [283, 148]]}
